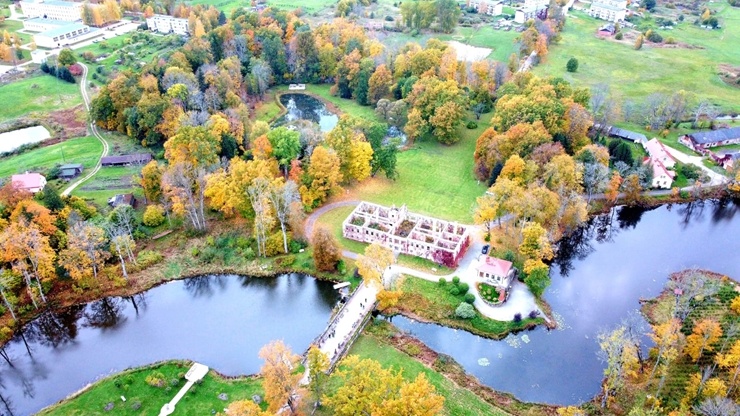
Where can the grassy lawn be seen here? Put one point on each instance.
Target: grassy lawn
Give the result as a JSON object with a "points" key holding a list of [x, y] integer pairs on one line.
{"points": [[431, 301], [458, 400], [201, 399], [309, 6], [85, 150], [38, 94], [636, 74], [108, 182], [144, 49], [13, 26], [433, 179]]}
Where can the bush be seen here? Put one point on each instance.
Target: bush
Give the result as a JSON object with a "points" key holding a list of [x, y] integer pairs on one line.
{"points": [[248, 253], [456, 280], [517, 317], [442, 281], [465, 311], [463, 288], [472, 125], [156, 379], [153, 216], [295, 246], [147, 258], [454, 291], [655, 37], [285, 261], [619, 36], [274, 244], [389, 18], [572, 65], [691, 171], [534, 314], [469, 298]]}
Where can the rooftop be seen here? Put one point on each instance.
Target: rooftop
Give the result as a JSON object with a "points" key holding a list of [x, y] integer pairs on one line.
{"points": [[71, 166], [43, 21], [28, 180], [495, 266], [63, 30], [713, 136], [626, 134], [55, 3]]}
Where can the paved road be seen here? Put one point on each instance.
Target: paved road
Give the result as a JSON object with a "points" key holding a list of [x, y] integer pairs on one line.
{"points": [[93, 129], [715, 178]]}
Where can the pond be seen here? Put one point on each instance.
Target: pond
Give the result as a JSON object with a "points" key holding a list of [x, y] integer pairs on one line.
{"points": [[602, 272], [219, 321], [306, 107], [12, 140]]}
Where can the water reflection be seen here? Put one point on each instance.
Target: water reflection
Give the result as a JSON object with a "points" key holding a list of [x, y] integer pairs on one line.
{"points": [[306, 107], [601, 272], [221, 321]]}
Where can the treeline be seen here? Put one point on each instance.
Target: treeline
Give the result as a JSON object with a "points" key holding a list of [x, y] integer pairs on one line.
{"points": [[100, 14]]}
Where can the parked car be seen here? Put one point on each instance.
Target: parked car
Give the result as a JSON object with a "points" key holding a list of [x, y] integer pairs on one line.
{"points": [[485, 249]]}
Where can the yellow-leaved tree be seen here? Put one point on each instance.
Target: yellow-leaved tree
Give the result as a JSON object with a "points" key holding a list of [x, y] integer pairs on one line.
{"points": [[280, 380], [373, 263], [706, 332]]}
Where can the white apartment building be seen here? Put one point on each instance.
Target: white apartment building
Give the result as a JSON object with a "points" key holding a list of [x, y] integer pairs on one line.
{"points": [[491, 8], [52, 9], [167, 24], [611, 10]]}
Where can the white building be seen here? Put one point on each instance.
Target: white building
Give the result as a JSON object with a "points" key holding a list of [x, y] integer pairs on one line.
{"points": [[39, 24], [62, 35], [662, 177], [167, 24], [52, 9], [657, 151], [611, 10], [491, 8], [30, 181]]}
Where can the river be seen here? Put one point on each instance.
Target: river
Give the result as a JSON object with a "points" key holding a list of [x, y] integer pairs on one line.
{"points": [[219, 321], [601, 273]]}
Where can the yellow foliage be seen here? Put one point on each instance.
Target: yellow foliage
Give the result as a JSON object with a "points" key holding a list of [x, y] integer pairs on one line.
{"points": [[373, 263], [387, 299], [706, 332]]}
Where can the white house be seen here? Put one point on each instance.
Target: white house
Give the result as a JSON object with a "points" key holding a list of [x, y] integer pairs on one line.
{"points": [[31, 182], [167, 24], [52, 9], [495, 272], [611, 10], [523, 14], [657, 151], [491, 8], [662, 177]]}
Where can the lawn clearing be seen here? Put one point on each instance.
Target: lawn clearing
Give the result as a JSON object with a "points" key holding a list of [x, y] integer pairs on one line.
{"points": [[143, 399], [13, 26], [637, 74], [85, 150], [458, 400], [40, 94]]}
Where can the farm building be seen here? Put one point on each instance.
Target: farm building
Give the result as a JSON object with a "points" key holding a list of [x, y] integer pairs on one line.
{"points": [[727, 160], [626, 135], [491, 8], [407, 233], [122, 199], [29, 181], [126, 160], [701, 140], [70, 171], [662, 177], [657, 151]]}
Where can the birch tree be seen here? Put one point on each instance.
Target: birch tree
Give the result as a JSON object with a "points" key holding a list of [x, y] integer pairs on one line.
{"points": [[184, 184], [258, 194], [87, 239], [281, 197], [7, 282]]}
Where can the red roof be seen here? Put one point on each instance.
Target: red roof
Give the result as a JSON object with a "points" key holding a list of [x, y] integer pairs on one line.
{"points": [[494, 266], [28, 180]]}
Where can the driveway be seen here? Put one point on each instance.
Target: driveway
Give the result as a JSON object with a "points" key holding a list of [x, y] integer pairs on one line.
{"points": [[714, 177]]}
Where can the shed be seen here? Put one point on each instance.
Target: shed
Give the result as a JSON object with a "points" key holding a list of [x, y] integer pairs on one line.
{"points": [[627, 135], [70, 170], [122, 199], [126, 160]]}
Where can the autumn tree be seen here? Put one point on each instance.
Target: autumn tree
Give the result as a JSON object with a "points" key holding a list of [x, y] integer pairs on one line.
{"points": [[28, 251], [705, 333], [258, 193], [621, 361], [379, 84], [326, 251], [318, 365], [535, 244], [85, 243], [486, 211], [730, 361], [280, 380], [372, 264], [184, 185], [282, 196], [632, 190], [151, 181], [244, 407], [194, 145], [388, 299], [437, 107], [285, 146], [324, 175]]}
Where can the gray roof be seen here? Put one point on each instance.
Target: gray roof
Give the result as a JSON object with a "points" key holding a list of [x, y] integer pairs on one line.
{"points": [[626, 134], [714, 136], [71, 166], [63, 30], [126, 159]]}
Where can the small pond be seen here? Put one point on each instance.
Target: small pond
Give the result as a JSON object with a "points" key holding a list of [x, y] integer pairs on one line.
{"points": [[220, 321], [306, 107], [602, 272], [12, 140]]}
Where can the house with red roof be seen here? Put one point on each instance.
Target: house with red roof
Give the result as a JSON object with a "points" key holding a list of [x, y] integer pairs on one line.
{"points": [[31, 182], [662, 177], [496, 272], [658, 152]]}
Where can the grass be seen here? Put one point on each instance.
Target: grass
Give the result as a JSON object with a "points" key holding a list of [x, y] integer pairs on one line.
{"points": [[431, 301], [85, 150], [144, 46], [108, 182], [458, 400], [201, 399], [636, 74], [13, 26], [40, 94]]}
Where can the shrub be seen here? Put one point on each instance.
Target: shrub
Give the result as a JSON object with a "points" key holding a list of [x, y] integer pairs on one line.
{"points": [[295, 246], [619, 36], [412, 350], [156, 379], [342, 267], [454, 291], [274, 244], [517, 317], [389, 18], [248, 253], [147, 258], [472, 125], [463, 288], [153, 216], [534, 314], [455, 280], [654, 37], [442, 281], [285, 261], [572, 65], [469, 298], [465, 311]]}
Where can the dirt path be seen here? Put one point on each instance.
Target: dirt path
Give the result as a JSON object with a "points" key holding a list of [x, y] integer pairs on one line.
{"points": [[93, 129]]}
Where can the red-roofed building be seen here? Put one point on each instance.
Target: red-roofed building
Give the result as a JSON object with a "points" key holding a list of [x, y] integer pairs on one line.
{"points": [[496, 272], [662, 177], [31, 182]]}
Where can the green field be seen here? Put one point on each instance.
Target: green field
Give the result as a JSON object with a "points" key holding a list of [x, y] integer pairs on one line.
{"points": [[636, 74], [12, 26], [85, 150], [43, 93], [201, 399], [458, 400]]}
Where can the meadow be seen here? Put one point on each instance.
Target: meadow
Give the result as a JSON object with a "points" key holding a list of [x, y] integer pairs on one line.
{"points": [[635, 74], [43, 93], [84, 150]]}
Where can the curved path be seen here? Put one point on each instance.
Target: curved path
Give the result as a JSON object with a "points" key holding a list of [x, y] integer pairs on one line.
{"points": [[311, 221], [93, 128]]}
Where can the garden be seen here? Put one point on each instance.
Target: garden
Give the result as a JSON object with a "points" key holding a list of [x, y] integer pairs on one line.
{"points": [[490, 293]]}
